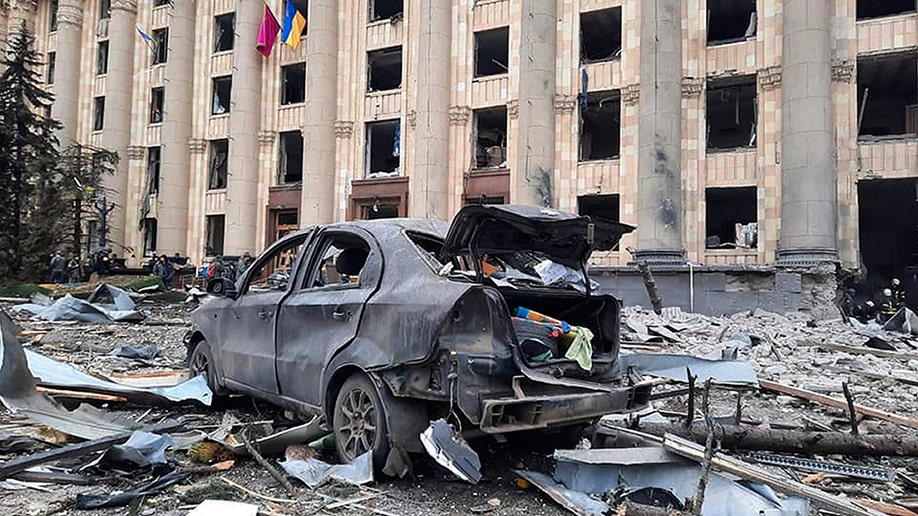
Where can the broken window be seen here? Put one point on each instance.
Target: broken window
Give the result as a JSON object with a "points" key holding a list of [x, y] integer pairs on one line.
{"points": [[731, 218], [490, 137], [160, 45], [105, 9], [291, 158], [223, 89], [224, 32], [379, 210], [219, 152], [386, 9], [293, 84], [383, 153], [213, 240], [52, 22], [157, 97], [599, 207], [148, 227], [160, 3], [601, 35], [888, 95], [482, 200], [384, 69], [887, 209], [600, 126], [153, 162], [874, 9], [52, 56], [731, 113], [102, 58], [98, 114], [492, 52], [731, 20]]}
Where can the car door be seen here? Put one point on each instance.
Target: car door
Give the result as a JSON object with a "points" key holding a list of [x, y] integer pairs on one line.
{"points": [[248, 338], [323, 314]]}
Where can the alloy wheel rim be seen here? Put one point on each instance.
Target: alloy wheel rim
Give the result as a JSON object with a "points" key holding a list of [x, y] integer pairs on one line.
{"points": [[359, 426]]}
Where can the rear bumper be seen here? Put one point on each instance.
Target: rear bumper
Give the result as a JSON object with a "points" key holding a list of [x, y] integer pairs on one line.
{"points": [[533, 412]]}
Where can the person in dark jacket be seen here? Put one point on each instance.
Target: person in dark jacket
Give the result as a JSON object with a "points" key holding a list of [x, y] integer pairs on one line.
{"points": [[898, 292], [57, 266]]}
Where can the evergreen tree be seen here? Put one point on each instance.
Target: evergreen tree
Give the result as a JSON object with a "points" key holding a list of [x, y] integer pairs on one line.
{"points": [[28, 150]]}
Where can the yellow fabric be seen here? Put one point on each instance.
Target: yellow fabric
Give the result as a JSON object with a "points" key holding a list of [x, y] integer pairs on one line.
{"points": [[296, 31]]}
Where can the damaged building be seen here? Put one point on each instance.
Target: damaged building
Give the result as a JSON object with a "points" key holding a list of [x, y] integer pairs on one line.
{"points": [[771, 157]]}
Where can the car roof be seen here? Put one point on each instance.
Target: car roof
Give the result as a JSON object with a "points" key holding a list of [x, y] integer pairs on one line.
{"points": [[436, 228]]}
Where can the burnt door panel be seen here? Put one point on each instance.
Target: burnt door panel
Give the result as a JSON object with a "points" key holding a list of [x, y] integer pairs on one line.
{"points": [[313, 325], [248, 340]]}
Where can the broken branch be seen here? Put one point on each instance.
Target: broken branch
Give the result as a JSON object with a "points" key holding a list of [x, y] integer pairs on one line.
{"points": [[281, 479], [852, 415]]}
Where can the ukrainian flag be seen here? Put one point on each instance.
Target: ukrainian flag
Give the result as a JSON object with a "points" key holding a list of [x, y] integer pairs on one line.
{"points": [[294, 24]]}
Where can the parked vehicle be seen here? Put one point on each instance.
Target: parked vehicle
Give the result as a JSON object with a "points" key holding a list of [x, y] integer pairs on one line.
{"points": [[382, 326]]}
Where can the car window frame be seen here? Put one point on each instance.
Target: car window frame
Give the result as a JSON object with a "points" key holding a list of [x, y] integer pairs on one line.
{"points": [[315, 258], [246, 280]]}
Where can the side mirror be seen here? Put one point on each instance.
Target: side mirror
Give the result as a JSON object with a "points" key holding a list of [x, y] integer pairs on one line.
{"points": [[222, 287]]}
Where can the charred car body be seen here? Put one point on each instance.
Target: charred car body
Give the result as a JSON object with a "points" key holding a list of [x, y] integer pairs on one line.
{"points": [[386, 325]]}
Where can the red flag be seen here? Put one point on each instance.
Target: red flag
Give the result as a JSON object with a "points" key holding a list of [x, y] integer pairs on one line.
{"points": [[267, 33]]}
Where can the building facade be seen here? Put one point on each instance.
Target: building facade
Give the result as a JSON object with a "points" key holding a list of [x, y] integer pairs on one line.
{"points": [[742, 132]]}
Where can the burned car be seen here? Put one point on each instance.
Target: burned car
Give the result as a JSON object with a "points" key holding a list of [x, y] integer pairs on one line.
{"points": [[383, 326]]}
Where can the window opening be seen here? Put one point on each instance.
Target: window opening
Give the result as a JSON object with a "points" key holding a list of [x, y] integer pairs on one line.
{"points": [[491, 137], [157, 98], [223, 92], [160, 45], [102, 58], [384, 69], [216, 227], [293, 84], [730, 21], [600, 207], [492, 52], [341, 261], [291, 158], [600, 126], [888, 95], [105, 9], [386, 9], [601, 35], [383, 151], [98, 114], [731, 113], [219, 152], [876, 9], [153, 167], [732, 216], [52, 57], [224, 32], [149, 227]]}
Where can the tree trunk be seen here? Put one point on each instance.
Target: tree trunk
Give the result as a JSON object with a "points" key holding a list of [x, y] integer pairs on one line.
{"points": [[734, 437]]}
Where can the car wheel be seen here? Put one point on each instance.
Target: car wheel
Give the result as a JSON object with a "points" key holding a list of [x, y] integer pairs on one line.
{"points": [[201, 361], [360, 421]]}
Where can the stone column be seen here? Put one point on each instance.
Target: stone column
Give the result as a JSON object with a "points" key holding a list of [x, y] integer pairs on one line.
{"points": [[242, 210], [319, 141], [116, 130], [175, 164], [429, 183], [659, 233], [535, 148], [67, 69], [808, 185]]}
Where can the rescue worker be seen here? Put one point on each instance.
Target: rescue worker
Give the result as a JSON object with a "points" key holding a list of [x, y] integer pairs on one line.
{"points": [[898, 292], [867, 312], [887, 306]]}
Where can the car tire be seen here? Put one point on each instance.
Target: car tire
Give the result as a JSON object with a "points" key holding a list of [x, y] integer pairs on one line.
{"points": [[201, 361], [360, 422]]}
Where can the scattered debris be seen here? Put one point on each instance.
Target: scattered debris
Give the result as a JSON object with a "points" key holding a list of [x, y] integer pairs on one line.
{"points": [[84, 501], [576, 502], [143, 353], [69, 308], [673, 366], [449, 449], [224, 508], [823, 466], [314, 472]]}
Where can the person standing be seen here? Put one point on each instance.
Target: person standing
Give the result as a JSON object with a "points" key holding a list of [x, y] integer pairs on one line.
{"points": [[898, 292], [57, 265], [244, 263]]}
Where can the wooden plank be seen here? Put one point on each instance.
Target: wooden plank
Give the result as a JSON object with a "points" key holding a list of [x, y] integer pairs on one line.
{"points": [[21, 464], [748, 471], [80, 395], [856, 350], [838, 403]]}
